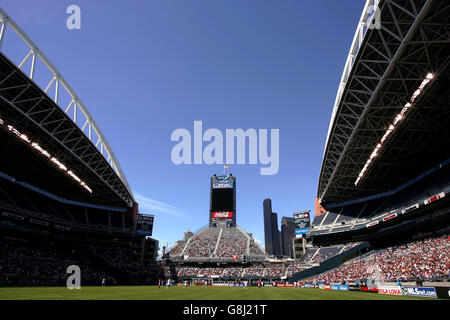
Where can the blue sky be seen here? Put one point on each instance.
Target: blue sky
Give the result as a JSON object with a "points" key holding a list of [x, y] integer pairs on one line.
{"points": [[146, 68]]}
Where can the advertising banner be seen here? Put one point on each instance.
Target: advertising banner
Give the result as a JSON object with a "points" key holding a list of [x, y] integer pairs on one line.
{"points": [[367, 289], [392, 290], [144, 225], [334, 287], [389, 217], [283, 285], [411, 208], [301, 231], [434, 198], [302, 222], [222, 214], [373, 223], [339, 287], [420, 291], [223, 185]]}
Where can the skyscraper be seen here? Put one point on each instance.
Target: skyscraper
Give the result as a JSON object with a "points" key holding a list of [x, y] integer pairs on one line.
{"points": [[272, 235], [287, 236]]}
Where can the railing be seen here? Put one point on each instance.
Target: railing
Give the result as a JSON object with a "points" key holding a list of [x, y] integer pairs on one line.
{"points": [[59, 221]]}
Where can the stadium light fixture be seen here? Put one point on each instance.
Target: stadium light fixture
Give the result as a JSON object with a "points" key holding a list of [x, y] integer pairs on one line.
{"points": [[58, 164], [45, 153], [41, 150], [399, 117]]}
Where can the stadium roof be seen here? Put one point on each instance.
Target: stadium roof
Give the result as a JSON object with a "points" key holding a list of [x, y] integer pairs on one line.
{"points": [[391, 114], [67, 132]]}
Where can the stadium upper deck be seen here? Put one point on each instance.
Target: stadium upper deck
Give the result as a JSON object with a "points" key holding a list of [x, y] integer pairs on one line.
{"points": [[390, 120], [48, 138], [218, 245]]}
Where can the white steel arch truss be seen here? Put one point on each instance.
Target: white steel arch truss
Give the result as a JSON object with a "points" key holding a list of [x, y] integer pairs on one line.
{"points": [[76, 107], [384, 67]]}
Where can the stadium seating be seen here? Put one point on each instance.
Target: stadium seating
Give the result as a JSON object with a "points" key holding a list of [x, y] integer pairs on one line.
{"points": [[25, 263], [25, 201], [232, 243], [408, 194], [177, 250], [428, 259], [217, 243], [274, 270], [203, 243]]}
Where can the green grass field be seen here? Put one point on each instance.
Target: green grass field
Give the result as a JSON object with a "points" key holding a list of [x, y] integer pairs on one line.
{"points": [[188, 293]]}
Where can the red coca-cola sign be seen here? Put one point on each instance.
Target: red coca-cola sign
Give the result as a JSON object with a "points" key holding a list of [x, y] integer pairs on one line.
{"points": [[222, 214]]}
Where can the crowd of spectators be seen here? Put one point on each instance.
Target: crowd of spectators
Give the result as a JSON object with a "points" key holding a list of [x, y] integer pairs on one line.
{"points": [[291, 269], [255, 249], [232, 272], [350, 245], [24, 263], [208, 272], [274, 270], [187, 272], [177, 249], [202, 245], [308, 255], [113, 256], [256, 270], [427, 259], [325, 253], [317, 255], [231, 247], [232, 243]]}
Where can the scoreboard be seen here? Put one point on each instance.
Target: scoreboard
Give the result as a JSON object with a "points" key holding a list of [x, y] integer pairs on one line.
{"points": [[302, 222], [222, 208], [144, 225]]}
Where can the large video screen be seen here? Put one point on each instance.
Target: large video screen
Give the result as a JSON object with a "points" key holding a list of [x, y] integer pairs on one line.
{"points": [[222, 200], [302, 222], [144, 225]]}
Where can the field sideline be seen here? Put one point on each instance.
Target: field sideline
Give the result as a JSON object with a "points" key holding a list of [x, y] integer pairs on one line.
{"points": [[188, 293]]}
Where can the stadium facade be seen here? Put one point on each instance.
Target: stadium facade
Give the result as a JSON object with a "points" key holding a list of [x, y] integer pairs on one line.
{"points": [[64, 198], [384, 184], [385, 178], [383, 191]]}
